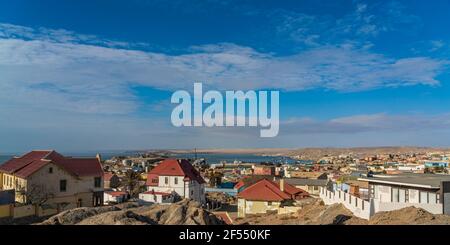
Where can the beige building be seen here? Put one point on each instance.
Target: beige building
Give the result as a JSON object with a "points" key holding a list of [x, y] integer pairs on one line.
{"points": [[48, 178], [266, 196]]}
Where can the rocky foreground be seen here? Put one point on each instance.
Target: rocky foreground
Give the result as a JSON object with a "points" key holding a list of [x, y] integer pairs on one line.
{"points": [[316, 213], [182, 213], [190, 213]]}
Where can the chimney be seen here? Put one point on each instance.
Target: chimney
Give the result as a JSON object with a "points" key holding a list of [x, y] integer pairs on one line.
{"points": [[99, 157], [282, 184]]}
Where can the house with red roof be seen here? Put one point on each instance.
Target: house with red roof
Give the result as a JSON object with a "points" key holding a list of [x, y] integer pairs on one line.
{"points": [[47, 177], [266, 196], [174, 178]]}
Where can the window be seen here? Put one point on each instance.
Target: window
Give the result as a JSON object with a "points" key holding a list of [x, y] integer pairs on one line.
{"points": [[395, 195], [406, 195], [402, 195], [97, 182], [269, 203], [62, 185], [432, 197], [176, 181], [50, 170], [423, 197], [166, 180], [154, 180]]}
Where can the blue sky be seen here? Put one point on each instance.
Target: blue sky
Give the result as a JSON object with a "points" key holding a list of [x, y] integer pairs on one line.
{"points": [[98, 75]]}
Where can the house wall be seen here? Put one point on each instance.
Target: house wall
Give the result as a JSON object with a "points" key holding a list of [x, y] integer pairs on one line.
{"points": [[246, 207], [312, 190], [11, 182], [395, 194], [150, 198], [191, 189]]}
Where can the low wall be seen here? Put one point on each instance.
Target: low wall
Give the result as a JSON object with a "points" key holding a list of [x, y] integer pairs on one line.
{"points": [[46, 212], [5, 210], [365, 209], [359, 207], [435, 208], [24, 211]]}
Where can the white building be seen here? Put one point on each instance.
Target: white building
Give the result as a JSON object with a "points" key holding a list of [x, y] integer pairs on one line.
{"points": [[114, 197], [411, 167], [430, 192], [174, 178]]}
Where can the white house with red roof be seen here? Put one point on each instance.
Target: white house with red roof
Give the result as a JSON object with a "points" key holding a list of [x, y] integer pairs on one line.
{"points": [[48, 177], [174, 178]]}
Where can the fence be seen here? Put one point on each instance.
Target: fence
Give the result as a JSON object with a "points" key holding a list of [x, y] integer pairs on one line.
{"points": [[5, 210], [365, 209], [24, 211], [359, 207], [11, 211]]}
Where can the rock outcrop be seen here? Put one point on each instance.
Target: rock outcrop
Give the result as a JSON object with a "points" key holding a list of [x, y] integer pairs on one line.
{"points": [[185, 212]]}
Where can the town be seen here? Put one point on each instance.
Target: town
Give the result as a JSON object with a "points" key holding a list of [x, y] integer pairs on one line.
{"points": [[390, 185]]}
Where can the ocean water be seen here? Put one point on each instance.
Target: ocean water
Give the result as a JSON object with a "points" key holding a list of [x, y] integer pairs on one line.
{"points": [[4, 158], [210, 158], [246, 158]]}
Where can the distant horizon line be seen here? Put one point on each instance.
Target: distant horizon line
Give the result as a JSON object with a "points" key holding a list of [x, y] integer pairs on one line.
{"points": [[217, 149]]}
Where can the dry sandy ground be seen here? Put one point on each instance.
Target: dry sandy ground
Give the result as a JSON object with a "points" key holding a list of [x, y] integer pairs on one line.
{"points": [[318, 214]]}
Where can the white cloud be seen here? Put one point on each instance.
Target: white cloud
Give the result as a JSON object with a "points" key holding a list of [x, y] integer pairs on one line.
{"points": [[55, 69], [381, 122], [436, 45]]}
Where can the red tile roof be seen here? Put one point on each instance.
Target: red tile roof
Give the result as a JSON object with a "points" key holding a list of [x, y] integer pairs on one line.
{"points": [[266, 190], [174, 167], [116, 193], [31, 162]]}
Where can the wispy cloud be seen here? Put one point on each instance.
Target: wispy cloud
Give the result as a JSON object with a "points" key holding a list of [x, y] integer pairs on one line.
{"points": [[363, 23]]}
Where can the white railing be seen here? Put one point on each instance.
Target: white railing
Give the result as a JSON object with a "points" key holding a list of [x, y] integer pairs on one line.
{"points": [[359, 207], [365, 209]]}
